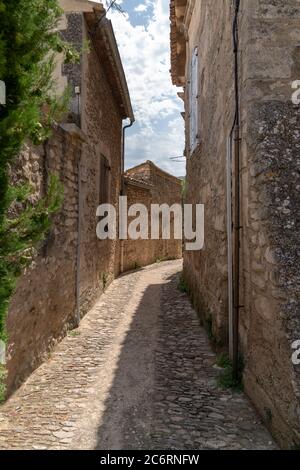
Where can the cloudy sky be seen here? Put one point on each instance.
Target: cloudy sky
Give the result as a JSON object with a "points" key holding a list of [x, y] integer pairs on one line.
{"points": [[143, 37]]}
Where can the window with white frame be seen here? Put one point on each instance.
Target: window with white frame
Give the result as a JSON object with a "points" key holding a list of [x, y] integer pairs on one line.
{"points": [[194, 101]]}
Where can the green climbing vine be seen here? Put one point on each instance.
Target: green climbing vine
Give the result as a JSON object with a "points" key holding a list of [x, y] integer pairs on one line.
{"points": [[29, 42]]}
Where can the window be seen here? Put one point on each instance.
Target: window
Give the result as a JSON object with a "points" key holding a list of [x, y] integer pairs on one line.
{"points": [[193, 101], [104, 180]]}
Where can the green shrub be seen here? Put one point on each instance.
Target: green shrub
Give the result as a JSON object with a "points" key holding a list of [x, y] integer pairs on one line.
{"points": [[29, 41], [182, 285], [223, 360], [105, 278], [226, 378], [2, 383], [20, 235]]}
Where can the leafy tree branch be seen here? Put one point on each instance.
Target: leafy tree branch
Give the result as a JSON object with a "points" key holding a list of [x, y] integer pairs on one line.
{"points": [[29, 42]]}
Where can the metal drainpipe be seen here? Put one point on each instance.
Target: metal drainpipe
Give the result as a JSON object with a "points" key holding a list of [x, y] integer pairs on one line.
{"points": [[230, 244], [122, 185], [237, 195], [123, 152]]}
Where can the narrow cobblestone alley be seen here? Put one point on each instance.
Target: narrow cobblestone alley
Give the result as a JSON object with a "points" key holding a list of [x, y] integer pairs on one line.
{"points": [[137, 374]]}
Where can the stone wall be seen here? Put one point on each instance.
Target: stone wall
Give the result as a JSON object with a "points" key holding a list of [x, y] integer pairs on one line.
{"points": [[270, 323], [147, 184], [102, 124], [73, 33], [269, 61], [97, 111], [72, 267], [206, 271], [44, 305], [137, 253]]}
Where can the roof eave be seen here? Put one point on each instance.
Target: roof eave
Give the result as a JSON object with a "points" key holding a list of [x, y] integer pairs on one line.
{"points": [[178, 42], [106, 29], [116, 54]]}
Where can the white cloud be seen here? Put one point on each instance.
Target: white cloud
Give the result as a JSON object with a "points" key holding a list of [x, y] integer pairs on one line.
{"points": [[145, 52], [141, 8], [159, 146]]}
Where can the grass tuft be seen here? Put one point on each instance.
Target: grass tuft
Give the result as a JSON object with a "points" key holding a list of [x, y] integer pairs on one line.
{"points": [[74, 333], [2, 384], [182, 285], [226, 379], [223, 361]]}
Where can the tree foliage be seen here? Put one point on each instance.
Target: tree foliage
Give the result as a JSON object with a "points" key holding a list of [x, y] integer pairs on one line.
{"points": [[29, 41]]}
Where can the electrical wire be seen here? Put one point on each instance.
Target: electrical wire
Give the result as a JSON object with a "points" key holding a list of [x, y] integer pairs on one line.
{"points": [[236, 65], [113, 4], [235, 34]]}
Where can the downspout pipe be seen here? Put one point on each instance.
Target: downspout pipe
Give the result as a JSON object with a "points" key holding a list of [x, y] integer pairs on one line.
{"points": [[132, 121], [230, 243], [237, 196]]}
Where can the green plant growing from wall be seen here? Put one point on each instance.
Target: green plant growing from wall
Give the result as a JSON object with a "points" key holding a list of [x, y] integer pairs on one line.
{"points": [[223, 361], [163, 259], [2, 383], [104, 280], [136, 265], [19, 236], [226, 379], [182, 285], [29, 41]]}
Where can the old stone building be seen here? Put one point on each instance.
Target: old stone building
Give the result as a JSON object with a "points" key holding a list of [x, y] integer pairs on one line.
{"points": [[147, 184], [73, 267], [236, 62]]}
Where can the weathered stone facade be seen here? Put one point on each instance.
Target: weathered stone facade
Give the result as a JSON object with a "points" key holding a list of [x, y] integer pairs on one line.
{"points": [[271, 212], [269, 275], [73, 267], [147, 184], [101, 121], [44, 305]]}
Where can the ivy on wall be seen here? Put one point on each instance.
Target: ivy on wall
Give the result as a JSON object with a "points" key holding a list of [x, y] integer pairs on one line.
{"points": [[29, 41]]}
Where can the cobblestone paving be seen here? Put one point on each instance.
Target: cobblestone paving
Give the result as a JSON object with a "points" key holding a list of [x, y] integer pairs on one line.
{"points": [[191, 411], [138, 373]]}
